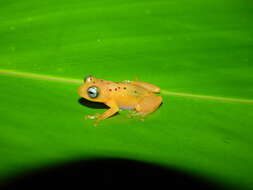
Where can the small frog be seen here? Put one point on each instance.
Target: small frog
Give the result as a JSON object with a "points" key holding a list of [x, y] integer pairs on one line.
{"points": [[125, 95]]}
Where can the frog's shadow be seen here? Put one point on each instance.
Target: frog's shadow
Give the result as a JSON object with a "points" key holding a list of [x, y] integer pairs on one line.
{"points": [[94, 105], [97, 105]]}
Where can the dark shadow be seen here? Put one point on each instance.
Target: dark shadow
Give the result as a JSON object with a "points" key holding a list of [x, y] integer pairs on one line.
{"points": [[95, 105], [109, 173]]}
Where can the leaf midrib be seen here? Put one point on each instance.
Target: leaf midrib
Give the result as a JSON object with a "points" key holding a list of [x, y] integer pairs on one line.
{"points": [[76, 81]]}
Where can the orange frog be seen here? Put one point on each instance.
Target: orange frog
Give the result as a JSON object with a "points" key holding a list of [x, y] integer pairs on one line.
{"points": [[125, 95]]}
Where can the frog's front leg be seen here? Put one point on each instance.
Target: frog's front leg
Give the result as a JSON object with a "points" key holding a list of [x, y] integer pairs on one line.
{"points": [[113, 108], [148, 105]]}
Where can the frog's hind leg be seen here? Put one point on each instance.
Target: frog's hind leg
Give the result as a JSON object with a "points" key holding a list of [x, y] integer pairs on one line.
{"points": [[148, 86], [148, 105]]}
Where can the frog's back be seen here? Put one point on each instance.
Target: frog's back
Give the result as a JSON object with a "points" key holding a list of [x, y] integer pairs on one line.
{"points": [[135, 90], [125, 94]]}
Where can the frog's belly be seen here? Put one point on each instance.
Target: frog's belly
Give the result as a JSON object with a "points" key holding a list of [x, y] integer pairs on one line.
{"points": [[126, 107], [126, 103]]}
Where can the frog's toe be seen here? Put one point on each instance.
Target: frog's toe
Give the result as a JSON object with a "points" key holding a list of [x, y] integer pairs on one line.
{"points": [[91, 116], [95, 124], [130, 115]]}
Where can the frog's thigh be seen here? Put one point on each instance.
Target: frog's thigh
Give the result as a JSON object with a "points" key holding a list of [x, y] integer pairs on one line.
{"points": [[148, 104], [148, 86]]}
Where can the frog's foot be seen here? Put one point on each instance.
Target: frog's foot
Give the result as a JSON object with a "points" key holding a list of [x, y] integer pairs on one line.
{"points": [[141, 115], [96, 116], [130, 115], [95, 124], [92, 116]]}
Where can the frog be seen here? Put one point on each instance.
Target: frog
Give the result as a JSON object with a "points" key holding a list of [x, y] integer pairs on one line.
{"points": [[140, 97]]}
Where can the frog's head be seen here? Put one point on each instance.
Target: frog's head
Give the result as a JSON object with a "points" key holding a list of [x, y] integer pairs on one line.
{"points": [[91, 90]]}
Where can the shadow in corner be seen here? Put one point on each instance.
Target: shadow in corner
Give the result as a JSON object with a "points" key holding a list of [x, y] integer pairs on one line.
{"points": [[94, 105], [109, 173]]}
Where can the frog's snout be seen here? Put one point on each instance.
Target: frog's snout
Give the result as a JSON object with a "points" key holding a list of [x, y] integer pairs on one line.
{"points": [[80, 91]]}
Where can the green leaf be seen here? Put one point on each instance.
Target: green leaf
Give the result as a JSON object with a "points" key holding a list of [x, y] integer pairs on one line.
{"points": [[198, 52]]}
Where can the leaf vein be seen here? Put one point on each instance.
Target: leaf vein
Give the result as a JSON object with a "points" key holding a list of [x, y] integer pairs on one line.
{"points": [[76, 81]]}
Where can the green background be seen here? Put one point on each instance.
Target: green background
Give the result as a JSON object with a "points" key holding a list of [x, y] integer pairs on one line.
{"points": [[197, 47]]}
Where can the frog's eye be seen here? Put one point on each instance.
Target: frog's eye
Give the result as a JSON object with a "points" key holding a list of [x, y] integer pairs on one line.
{"points": [[93, 92], [88, 78]]}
